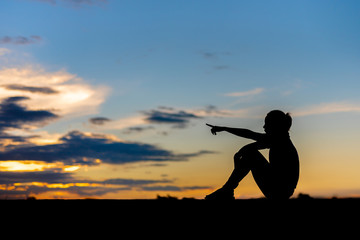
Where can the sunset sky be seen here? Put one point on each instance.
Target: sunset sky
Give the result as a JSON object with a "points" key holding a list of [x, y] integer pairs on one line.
{"points": [[109, 98]]}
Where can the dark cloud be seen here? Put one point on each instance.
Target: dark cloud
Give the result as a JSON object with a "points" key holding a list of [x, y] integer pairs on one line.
{"points": [[196, 154], [15, 139], [20, 40], [99, 120], [177, 118], [79, 148], [82, 191], [138, 129], [208, 55], [19, 184], [19, 87], [170, 188], [133, 182], [173, 188], [14, 115], [38, 176], [210, 109], [57, 176]]}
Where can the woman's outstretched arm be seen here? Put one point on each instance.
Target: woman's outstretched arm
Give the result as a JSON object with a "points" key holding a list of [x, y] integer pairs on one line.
{"points": [[241, 132]]}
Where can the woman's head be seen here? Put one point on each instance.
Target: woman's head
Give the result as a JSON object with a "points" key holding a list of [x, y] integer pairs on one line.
{"points": [[277, 121]]}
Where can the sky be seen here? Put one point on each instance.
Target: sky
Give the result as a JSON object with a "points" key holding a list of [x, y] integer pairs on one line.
{"points": [[109, 99]]}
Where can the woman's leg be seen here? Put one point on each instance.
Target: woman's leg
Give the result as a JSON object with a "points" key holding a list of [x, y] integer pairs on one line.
{"points": [[246, 160], [250, 159]]}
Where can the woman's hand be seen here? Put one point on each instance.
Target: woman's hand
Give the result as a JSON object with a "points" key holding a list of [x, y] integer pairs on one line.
{"points": [[215, 129]]}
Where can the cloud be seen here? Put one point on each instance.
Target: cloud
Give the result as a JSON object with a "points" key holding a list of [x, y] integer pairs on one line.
{"points": [[20, 40], [28, 168], [215, 58], [177, 118], [165, 116], [81, 190], [63, 92], [212, 111], [208, 55], [252, 92], [173, 188], [133, 182], [91, 149], [138, 129], [10, 139], [327, 108], [4, 51], [99, 120], [48, 176], [213, 55], [23, 88], [15, 115], [18, 184]]}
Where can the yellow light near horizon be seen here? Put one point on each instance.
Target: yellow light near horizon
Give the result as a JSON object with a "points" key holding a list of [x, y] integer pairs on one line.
{"points": [[71, 168], [13, 166], [23, 166], [67, 185]]}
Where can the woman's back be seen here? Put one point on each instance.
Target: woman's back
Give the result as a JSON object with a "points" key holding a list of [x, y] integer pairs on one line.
{"points": [[284, 162]]}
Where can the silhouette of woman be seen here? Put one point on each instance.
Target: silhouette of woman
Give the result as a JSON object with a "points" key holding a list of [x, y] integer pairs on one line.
{"points": [[277, 179]]}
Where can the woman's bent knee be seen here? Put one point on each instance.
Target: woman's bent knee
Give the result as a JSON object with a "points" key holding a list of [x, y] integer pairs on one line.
{"points": [[247, 150], [245, 156]]}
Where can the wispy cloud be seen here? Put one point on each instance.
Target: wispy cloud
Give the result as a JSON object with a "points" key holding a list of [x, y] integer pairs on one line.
{"points": [[327, 108], [27, 169], [21, 184], [15, 115], [166, 115], [252, 92], [211, 55], [20, 40], [176, 118], [99, 120], [173, 188], [20, 87], [32, 97], [4, 51], [60, 91], [215, 58], [92, 149]]}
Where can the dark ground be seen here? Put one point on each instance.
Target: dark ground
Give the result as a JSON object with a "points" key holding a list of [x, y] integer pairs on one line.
{"points": [[301, 217]]}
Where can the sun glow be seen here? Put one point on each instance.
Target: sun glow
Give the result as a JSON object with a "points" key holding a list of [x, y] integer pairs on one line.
{"points": [[34, 166]]}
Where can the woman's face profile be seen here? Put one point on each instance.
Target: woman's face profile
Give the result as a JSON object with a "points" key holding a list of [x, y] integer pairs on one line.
{"points": [[267, 126], [271, 125]]}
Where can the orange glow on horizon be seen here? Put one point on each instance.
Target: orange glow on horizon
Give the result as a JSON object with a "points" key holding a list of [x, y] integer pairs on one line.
{"points": [[11, 166]]}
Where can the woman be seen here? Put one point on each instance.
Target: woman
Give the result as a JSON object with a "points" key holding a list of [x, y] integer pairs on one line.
{"points": [[277, 179]]}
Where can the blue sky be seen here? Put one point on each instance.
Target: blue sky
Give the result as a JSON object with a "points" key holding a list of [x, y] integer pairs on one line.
{"points": [[165, 45], [182, 63]]}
